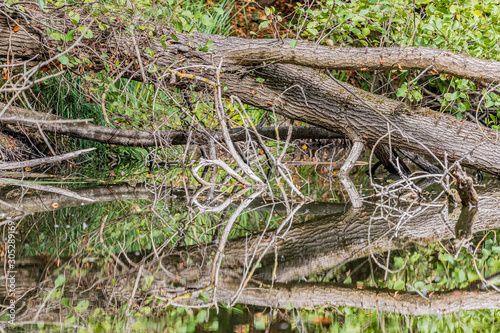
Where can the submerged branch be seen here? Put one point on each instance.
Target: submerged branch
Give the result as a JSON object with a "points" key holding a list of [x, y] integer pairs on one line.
{"points": [[44, 160]]}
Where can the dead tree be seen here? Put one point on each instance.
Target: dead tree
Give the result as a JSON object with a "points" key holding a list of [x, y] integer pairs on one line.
{"points": [[270, 74]]}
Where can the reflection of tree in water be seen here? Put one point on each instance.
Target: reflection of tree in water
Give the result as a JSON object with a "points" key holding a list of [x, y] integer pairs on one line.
{"points": [[281, 267]]}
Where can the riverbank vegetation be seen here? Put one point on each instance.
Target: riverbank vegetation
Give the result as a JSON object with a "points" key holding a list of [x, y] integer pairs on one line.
{"points": [[251, 165]]}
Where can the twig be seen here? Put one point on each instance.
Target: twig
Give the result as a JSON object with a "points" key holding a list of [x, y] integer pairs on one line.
{"points": [[44, 188], [44, 160], [137, 279]]}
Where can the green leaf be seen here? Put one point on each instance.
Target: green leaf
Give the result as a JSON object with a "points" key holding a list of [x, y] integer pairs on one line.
{"points": [[419, 285], [207, 20], [399, 285], [41, 4], [428, 27], [174, 37], [486, 254], [214, 326], [65, 302], [70, 319], [399, 262], [263, 25], [89, 34], [358, 18], [416, 95], [402, 91], [203, 297], [207, 46], [260, 80], [313, 31], [75, 18], [461, 276], [82, 306], [259, 324], [61, 279], [289, 306], [452, 97], [56, 294], [70, 36], [201, 316], [365, 31], [63, 59], [103, 26], [462, 107]]}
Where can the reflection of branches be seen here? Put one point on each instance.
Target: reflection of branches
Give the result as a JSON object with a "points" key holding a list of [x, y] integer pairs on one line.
{"points": [[396, 217], [485, 282], [223, 239], [45, 160], [302, 295], [224, 205], [47, 188], [203, 162], [467, 194], [247, 270], [248, 273]]}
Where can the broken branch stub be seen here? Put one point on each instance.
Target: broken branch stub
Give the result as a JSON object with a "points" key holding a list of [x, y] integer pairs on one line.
{"points": [[465, 187]]}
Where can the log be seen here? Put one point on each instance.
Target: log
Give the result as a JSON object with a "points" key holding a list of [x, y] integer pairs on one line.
{"points": [[134, 138], [292, 84]]}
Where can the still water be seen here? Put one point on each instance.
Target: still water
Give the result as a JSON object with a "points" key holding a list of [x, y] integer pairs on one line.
{"points": [[144, 256]]}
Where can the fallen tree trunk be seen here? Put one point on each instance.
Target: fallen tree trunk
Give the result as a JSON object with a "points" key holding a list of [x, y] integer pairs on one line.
{"points": [[134, 138], [288, 88]]}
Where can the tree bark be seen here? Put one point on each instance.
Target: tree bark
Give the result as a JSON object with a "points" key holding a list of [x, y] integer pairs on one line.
{"points": [[134, 138], [292, 86]]}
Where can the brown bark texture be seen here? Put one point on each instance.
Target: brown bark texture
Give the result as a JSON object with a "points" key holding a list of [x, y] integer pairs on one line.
{"points": [[134, 138]]}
